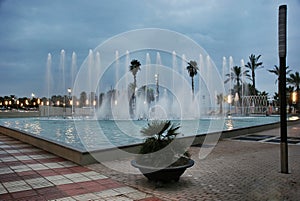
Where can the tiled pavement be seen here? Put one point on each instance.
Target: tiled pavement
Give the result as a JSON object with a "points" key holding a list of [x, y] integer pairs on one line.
{"points": [[28, 173], [234, 170]]}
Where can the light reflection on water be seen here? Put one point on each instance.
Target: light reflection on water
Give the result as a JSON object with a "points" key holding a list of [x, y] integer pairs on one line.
{"points": [[104, 134]]}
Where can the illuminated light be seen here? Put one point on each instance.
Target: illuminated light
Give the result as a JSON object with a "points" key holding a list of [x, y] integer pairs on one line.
{"points": [[229, 99], [116, 102], [57, 102], [47, 103], [294, 97], [87, 102], [77, 103], [38, 101], [71, 102], [293, 118], [94, 102]]}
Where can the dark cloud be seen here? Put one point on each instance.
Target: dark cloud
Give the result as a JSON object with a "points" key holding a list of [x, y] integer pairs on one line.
{"points": [[31, 29]]}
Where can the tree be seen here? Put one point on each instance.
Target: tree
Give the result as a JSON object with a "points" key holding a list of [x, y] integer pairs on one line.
{"points": [[276, 71], [236, 76], [294, 80], [220, 100], [146, 92], [253, 65], [82, 99], [134, 67], [192, 70]]}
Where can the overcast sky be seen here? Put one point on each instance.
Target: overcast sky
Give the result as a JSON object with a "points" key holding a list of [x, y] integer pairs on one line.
{"points": [[31, 29]]}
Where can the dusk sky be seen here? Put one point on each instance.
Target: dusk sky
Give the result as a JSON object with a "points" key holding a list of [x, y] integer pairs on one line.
{"points": [[31, 29]]}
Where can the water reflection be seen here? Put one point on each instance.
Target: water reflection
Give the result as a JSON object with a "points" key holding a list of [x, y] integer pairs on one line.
{"points": [[103, 134], [229, 123]]}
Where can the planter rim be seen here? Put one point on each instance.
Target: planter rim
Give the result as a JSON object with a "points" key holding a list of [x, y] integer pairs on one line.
{"points": [[137, 165]]}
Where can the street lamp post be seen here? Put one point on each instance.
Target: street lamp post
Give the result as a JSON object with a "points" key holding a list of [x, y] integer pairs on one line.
{"points": [[282, 30]]}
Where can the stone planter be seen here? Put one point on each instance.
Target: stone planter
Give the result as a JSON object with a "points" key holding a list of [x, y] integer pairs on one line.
{"points": [[162, 175]]}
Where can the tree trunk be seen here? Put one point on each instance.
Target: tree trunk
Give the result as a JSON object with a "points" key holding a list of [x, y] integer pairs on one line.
{"points": [[253, 81], [193, 87]]}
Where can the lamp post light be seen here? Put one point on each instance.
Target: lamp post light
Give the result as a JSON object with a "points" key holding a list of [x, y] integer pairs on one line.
{"points": [[229, 101], [6, 103], [294, 97]]}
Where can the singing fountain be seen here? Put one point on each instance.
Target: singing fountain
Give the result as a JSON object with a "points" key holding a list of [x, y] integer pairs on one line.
{"points": [[96, 114]]}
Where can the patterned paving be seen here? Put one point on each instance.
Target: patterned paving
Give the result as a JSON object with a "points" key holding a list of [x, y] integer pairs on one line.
{"points": [[28, 173], [267, 139]]}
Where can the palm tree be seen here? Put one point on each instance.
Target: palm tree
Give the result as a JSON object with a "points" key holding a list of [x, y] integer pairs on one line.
{"points": [[134, 67], [192, 70], [294, 80], [276, 71], [236, 76], [253, 64], [147, 93], [220, 100]]}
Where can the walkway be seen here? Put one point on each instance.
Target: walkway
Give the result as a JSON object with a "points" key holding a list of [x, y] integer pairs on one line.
{"points": [[28, 173], [235, 170]]}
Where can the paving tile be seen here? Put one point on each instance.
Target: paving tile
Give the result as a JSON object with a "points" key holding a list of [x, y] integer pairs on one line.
{"points": [[5, 170], [64, 199], [2, 189], [94, 175], [16, 186], [76, 191], [20, 168], [24, 194], [23, 158], [46, 173], [9, 177], [37, 156], [85, 197], [125, 190], [77, 177], [63, 171], [107, 193], [8, 159], [12, 151], [37, 166], [118, 198], [138, 195], [6, 197], [58, 180], [38, 183], [53, 165]]}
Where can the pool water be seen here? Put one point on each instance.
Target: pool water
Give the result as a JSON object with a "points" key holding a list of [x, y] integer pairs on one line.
{"points": [[86, 134]]}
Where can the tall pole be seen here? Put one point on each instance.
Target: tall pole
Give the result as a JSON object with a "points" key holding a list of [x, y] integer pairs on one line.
{"points": [[282, 85]]}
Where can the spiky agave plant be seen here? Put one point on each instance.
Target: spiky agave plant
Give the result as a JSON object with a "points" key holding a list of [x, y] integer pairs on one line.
{"points": [[160, 148]]}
